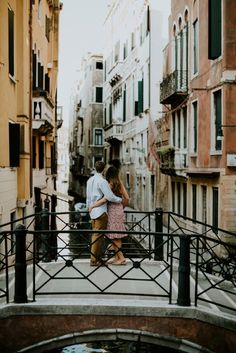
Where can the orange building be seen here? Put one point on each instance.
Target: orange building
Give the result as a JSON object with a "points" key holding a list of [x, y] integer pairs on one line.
{"points": [[198, 149]]}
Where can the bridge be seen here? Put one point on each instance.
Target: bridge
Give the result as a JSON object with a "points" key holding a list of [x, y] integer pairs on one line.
{"points": [[176, 291]]}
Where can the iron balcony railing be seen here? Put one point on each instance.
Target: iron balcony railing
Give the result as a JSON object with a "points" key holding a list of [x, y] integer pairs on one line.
{"points": [[174, 86], [169, 256]]}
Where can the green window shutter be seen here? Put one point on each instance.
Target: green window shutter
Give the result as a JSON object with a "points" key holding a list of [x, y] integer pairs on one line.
{"points": [[214, 29], [14, 144], [110, 113], [124, 105], [140, 97], [99, 94], [11, 41]]}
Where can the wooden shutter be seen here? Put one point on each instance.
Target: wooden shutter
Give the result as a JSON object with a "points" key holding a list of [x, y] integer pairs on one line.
{"points": [[214, 29], [11, 41], [14, 144]]}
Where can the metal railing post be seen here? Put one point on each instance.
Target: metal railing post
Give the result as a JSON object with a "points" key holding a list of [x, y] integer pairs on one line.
{"points": [[20, 265], [158, 240], [45, 235], [184, 272]]}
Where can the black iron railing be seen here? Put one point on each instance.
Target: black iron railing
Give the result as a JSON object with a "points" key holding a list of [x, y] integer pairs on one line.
{"points": [[185, 262]]}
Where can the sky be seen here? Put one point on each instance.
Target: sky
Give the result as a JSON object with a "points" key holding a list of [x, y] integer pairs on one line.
{"points": [[81, 31]]}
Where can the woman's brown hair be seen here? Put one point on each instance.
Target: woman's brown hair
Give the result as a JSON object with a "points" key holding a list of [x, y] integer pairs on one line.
{"points": [[112, 176]]}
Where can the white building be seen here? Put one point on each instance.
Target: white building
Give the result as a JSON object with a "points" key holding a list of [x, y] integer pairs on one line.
{"points": [[86, 127], [132, 74]]}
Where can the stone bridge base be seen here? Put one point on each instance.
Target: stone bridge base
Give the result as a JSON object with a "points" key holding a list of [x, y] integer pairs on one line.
{"points": [[35, 328]]}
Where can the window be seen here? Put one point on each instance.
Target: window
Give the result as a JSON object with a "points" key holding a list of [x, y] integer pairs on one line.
{"points": [[124, 104], [40, 9], [214, 29], [34, 152], [98, 137], [47, 27], [194, 201], [125, 50], [11, 42], [217, 116], [184, 199], [99, 65], [215, 207], [179, 198], [14, 145], [173, 195], [195, 126], [140, 96], [195, 47], [132, 40], [117, 52], [98, 95], [127, 180], [41, 154]]}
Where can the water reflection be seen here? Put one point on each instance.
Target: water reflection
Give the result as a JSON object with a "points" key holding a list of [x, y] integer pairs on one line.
{"points": [[115, 347]]}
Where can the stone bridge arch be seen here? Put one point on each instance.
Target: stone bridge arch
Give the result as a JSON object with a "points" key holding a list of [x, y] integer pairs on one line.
{"points": [[180, 345]]}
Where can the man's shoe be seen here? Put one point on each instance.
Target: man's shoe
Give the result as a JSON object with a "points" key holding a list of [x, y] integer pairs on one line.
{"points": [[97, 263]]}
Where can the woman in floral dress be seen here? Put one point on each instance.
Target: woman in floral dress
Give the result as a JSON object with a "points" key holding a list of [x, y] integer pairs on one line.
{"points": [[116, 215]]}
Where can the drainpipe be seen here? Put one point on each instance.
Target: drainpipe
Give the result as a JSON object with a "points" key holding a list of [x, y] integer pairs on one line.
{"points": [[30, 97]]}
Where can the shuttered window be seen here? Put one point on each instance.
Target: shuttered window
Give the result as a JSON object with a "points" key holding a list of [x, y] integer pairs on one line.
{"points": [[14, 145], [214, 29], [215, 207], [195, 126], [140, 97], [98, 94], [194, 201], [11, 42]]}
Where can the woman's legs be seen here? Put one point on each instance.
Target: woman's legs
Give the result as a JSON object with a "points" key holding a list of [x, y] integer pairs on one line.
{"points": [[119, 256]]}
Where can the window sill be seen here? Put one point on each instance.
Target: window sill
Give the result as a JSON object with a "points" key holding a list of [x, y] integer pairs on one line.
{"points": [[216, 153]]}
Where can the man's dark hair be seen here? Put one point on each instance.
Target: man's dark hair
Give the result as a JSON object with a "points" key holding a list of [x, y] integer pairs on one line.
{"points": [[99, 166]]}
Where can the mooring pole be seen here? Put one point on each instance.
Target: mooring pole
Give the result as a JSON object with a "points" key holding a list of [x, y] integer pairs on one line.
{"points": [[20, 265], [158, 241], [184, 272]]}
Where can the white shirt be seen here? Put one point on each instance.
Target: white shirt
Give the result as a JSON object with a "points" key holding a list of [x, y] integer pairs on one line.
{"points": [[97, 188]]}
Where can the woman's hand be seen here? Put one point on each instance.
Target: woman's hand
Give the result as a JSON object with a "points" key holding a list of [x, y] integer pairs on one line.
{"points": [[90, 208]]}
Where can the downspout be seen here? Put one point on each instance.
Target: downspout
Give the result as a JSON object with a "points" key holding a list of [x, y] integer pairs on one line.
{"points": [[30, 98]]}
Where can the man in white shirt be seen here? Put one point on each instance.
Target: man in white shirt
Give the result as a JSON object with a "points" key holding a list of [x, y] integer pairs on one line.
{"points": [[97, 188]]}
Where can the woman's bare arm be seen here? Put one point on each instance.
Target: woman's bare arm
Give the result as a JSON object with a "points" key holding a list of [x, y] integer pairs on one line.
{"points": [[125, 195], [98, 203]]}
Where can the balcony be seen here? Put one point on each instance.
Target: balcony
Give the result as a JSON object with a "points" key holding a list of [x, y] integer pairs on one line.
{"points": [[114, 75], [113, 132], [43, 112], [174, 88], [172, 161]]}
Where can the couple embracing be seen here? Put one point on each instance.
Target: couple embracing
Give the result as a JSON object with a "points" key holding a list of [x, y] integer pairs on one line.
{"points": [[106, 199]]}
